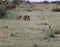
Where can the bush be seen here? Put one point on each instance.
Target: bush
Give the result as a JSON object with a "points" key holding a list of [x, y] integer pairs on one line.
{"points": [[29, 9], [56, 31], [35, 45], [10, 6], [56, 10], [3, 12], [49, 35], [16, 3]]}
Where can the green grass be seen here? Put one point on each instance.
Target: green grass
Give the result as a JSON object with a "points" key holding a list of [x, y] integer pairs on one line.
{"points": [[28, 34], [11, 16], [29, 9], [49, 35]]}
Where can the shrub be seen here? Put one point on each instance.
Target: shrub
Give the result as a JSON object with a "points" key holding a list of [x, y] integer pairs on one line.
{"points": [[49, 35], [35, 45], [10, 6], [16, 2], [56, 31], [56, 10], [29, 10], [13, 35], [3, 12], [44, 24]]}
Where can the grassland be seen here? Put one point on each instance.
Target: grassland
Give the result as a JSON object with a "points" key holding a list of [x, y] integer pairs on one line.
{"points": [[20, 33]]}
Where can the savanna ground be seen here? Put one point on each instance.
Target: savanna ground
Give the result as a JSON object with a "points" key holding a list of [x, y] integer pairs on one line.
{"points": [[20, 33]]}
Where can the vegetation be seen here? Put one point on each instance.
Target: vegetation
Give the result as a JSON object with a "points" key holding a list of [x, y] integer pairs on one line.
{"points": [[56, 10], [29, 10], [49, 35], [16, 3], [3, 12], [43, 29]]}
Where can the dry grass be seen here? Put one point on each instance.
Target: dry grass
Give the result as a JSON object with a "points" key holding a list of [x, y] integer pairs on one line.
{"points": [[19, 33]]}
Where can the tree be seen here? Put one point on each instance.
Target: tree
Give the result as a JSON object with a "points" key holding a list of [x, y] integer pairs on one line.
{"points": [[18, 0], [45, 1]]}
